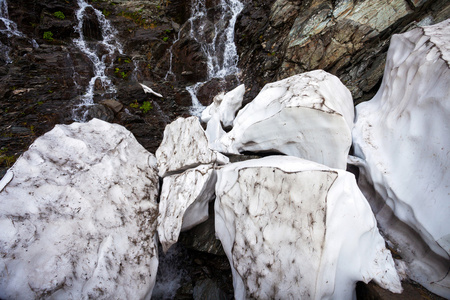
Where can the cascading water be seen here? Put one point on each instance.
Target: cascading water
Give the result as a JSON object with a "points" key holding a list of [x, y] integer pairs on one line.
{"points": [[99, 53], [170, 73], [9, 28], [221, 53]]}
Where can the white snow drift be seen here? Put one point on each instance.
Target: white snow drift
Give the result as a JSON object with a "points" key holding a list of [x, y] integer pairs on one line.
{"points": [[184, 202], [295, 229], [78, 218], [308, 115], [403, 138], [185, 146], [225, 105]]}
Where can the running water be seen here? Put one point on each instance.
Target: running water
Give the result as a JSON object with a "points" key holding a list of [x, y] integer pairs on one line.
{"points": [[99, 53], [9, 28], [170, 72], [221, 53]]}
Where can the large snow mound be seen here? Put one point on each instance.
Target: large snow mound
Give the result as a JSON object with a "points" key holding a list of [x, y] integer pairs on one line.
{"points": [[402, 136], [308, 115], [78, 218], [295, 229]]}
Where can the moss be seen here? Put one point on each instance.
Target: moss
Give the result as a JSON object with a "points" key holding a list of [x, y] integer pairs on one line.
{"points": [[59, 15], [48, 35]]}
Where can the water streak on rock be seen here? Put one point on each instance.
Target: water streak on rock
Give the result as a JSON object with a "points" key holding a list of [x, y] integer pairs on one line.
{"points": [[8, 28], [101, 54], [221, 51]]}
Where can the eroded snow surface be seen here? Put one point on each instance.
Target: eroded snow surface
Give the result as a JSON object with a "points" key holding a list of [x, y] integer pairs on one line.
{"points": [[78, 218]]}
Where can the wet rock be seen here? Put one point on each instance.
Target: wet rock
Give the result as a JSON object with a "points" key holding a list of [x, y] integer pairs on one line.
{"points": [[203, 238], [207, 289], [188, 62], [100, 112]]}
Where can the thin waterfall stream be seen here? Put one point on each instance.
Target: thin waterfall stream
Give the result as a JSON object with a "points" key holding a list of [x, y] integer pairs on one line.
{"points": [[9, 28], [100, 53], [221, 53]]}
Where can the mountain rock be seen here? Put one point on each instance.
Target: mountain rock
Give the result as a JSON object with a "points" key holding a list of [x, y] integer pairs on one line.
{"points": [[407, 121], [278, 39]]}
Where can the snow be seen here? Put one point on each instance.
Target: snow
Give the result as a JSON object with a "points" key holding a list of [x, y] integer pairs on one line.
{"points": [[185, 146], [308, 115], [79, 217], [184, 202], [292, 229], [148, 90], [226, 106], [402, 139]]}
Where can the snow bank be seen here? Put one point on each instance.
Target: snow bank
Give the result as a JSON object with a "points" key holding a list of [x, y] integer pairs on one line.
{"points": [[184, 202], [402, 137], [295, 229], [185, 146], [225, 106], [308, 115], [78, 218]]}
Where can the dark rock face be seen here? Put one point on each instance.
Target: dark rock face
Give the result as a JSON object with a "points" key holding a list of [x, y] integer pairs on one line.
{"points": [[277, 39]]}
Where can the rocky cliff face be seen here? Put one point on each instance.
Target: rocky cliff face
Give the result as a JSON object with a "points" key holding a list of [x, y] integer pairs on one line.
{"points": [[278, 39]]}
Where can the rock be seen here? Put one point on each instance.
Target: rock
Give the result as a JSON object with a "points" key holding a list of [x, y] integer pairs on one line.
{"points": [[226, 106], [295, 229], [185, 146], [202, 238], [79, 217], [308, 115], [184, 202], [115, 105], [207, 289], [401, 138], [278, 39], [101, 112]]}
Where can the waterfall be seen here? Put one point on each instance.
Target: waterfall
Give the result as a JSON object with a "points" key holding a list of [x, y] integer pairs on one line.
{"points": [[221, 53], [99, 53], [9, 28], [170, 72]]}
